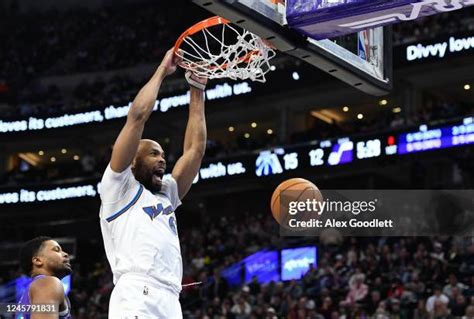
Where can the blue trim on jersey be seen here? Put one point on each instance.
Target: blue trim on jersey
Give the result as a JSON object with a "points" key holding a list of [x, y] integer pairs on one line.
{"points": [[123, 210]]}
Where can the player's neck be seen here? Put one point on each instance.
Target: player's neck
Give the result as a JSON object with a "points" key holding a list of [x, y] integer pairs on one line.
{"points": [[41, 272]]}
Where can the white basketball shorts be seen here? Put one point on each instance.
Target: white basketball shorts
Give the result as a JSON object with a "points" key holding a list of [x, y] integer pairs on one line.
{"points": [[137, 296]]}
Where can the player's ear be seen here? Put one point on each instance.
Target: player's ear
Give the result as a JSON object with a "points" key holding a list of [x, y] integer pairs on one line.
{"points": [[37, 261]]}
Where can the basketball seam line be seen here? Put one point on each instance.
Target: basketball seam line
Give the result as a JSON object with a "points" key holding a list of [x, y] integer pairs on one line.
{"points": [[297, 183]]}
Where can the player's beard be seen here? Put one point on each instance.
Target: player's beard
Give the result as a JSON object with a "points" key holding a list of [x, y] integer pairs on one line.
{"points": [[145, 176], [61, 270]]}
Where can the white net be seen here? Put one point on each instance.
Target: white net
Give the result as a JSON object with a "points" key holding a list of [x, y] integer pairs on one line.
{"points": [[207, 55]]}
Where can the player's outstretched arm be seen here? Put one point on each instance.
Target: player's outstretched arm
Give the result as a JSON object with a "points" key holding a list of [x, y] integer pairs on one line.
{"points": [[188, 165], [47, 291], [127, 142]]}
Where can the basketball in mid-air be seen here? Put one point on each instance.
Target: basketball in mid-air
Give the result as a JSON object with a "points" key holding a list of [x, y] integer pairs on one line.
{"points": [[292, 190]]}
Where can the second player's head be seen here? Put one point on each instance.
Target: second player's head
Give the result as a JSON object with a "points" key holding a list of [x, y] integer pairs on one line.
{"points": [[149, 165], [44, 256]]}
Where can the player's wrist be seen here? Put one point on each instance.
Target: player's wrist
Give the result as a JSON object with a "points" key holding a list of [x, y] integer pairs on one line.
{"points": [[195, 90], [162, 70], [195, 83]]}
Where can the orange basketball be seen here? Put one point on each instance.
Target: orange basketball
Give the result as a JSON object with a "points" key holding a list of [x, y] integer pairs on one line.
{"points": [[294, 189]]}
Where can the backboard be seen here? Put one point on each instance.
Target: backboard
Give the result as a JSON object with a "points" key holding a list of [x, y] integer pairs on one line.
{"points": [[363, 59]]}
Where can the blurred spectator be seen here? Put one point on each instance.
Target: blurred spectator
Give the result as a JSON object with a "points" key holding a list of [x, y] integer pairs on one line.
{"points": [[436, 301], [458, 306], [357, 289], [453, 285], [218, 287], [469, 312], [241, 309]]}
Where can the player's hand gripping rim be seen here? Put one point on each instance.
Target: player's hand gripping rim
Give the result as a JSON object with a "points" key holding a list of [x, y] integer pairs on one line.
{"points": [[196, 81]]}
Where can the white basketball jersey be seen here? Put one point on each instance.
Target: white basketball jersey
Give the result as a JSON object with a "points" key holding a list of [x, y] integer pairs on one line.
{"points": [[139, 228]]}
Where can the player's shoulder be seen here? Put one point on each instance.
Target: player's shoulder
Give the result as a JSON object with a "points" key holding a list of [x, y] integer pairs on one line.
{"points": [[112, 179], [47, 283], [110, 172]]}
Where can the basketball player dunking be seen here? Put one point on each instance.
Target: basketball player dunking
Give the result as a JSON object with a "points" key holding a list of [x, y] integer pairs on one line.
{"points": [[138, 203], [46, 263]]}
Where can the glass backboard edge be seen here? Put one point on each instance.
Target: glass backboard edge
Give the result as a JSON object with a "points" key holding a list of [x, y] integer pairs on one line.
{"points": [[295, 44]]}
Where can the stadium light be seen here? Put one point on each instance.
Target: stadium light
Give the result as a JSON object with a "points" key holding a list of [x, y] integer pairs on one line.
{"points": [[383, 102], [53, 159], [397, 109], [360, 116], [41, 153], [254, 125], [231, 129], [64, 151], [247, 135], [76, 157], [467, 87], [269, 131], [345, 109]]}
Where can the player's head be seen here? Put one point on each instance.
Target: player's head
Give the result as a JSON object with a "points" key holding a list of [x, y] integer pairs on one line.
{"points": [[43, 255], [149, 165]]}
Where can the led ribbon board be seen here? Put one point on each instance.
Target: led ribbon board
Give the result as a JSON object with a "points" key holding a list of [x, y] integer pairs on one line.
{"points": [[312, 155], [454, 45], [437, 138], [111, 112]]}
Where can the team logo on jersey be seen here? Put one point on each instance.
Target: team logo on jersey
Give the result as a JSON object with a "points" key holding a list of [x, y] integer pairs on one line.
{"points": [[154, 211], [172, 223]]}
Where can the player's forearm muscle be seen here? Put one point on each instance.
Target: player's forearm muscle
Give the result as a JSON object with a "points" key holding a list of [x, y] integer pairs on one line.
{"points": [[144, 102], [127, 142], [196, 133], [194, 147]]}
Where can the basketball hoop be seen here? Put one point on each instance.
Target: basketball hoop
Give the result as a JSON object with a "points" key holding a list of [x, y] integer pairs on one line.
{"points": [[214, 49]]}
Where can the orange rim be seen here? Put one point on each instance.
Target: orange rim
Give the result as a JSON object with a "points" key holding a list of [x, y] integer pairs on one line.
{"points": [[210, 22]]}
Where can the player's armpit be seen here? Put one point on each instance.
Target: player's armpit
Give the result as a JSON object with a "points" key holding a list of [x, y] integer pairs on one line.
{"points": [[47, 290], [186, 169]]}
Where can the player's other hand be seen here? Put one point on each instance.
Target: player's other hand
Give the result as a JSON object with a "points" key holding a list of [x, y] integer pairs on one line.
{"points": [[170, 62]]}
